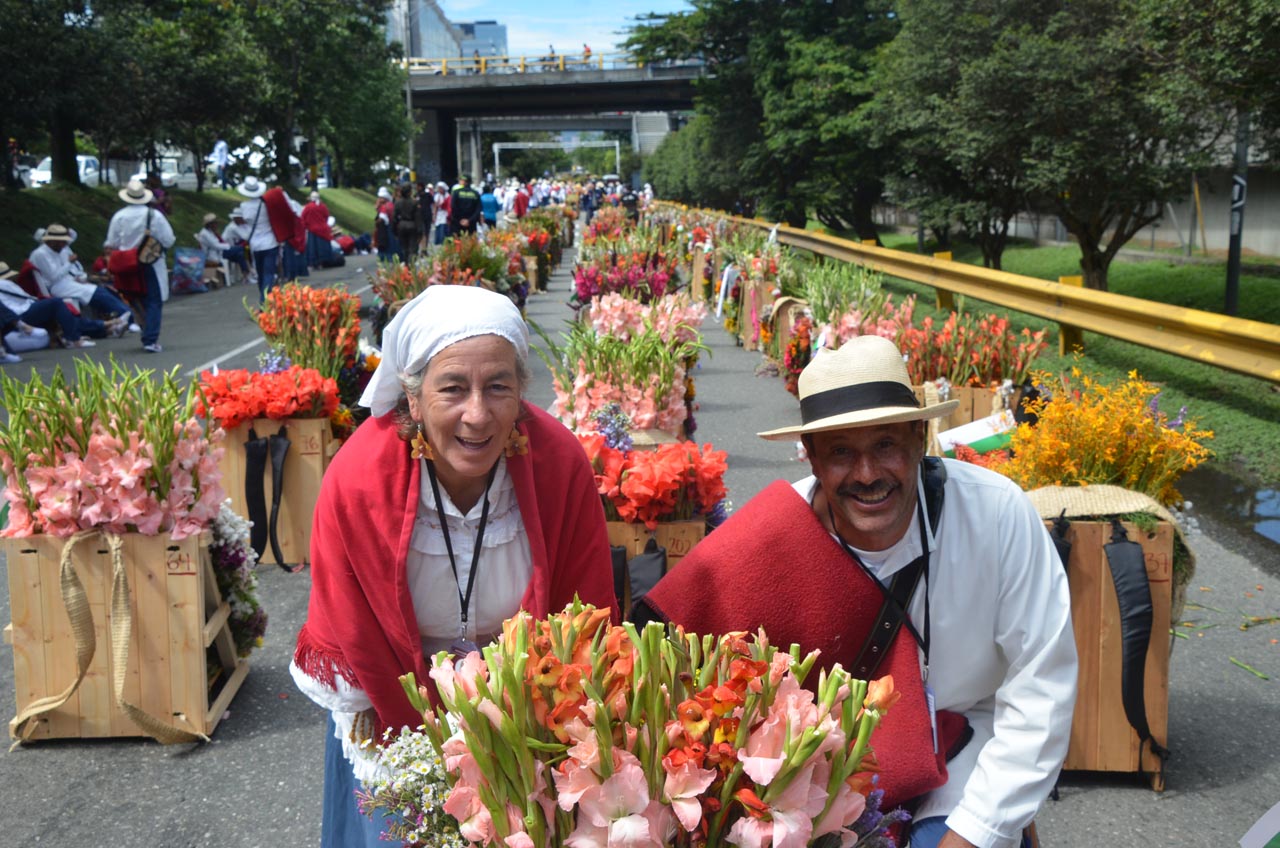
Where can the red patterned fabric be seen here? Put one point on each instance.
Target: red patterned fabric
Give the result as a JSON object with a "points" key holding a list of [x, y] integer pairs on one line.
{"points": [[774, 565], [360, 622], [285, 225]]}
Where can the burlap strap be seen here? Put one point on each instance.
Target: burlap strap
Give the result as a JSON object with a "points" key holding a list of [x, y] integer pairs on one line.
{"points": [[76, 603]]}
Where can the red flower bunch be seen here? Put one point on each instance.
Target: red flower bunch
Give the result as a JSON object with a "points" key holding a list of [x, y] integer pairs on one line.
{"points": [[673, 483], [236, 396], [316, 328], [969, 351]]}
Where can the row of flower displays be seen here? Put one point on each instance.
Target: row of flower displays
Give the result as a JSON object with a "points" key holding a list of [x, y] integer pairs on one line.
{"points": [[1091, 453]]}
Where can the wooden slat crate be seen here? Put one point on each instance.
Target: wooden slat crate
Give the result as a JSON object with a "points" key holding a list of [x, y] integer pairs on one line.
{"points": [[1101, 737], [975, 403], [697, 275], [312, 446], [678, 537], [178, 614]]}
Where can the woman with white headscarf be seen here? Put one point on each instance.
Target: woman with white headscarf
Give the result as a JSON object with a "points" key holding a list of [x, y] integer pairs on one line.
{"points": [[455, 505]]}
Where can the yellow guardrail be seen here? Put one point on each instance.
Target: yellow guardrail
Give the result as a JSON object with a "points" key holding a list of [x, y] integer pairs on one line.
{"points": [[461, 65], [1236, 344]]}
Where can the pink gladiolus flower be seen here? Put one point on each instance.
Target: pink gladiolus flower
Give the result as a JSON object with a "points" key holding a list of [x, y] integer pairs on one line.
{"points": [[619, 805], [683, 786]]}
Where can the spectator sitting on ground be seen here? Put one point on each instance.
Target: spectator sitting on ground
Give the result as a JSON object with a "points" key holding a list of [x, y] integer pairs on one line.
{"points": [[59, 275], [236, 234], [31, 312]]}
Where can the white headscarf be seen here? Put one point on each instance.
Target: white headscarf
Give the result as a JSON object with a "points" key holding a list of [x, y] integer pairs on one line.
{"points": [[429, 323]]}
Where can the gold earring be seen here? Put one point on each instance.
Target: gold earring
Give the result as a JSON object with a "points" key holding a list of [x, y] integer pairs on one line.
{"points": [[517, 444], [421, 447]]}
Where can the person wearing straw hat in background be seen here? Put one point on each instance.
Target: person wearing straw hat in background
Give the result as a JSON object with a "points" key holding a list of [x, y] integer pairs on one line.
{"points": [[472, 503], [59, 275], [262, 239], [127, 228], [984, 659]]}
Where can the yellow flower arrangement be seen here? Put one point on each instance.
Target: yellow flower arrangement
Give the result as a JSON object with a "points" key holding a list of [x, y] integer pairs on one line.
{"points": [[1099, 433]]}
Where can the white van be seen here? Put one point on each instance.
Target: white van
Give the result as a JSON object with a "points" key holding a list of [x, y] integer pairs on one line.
{"points": [[89, 172]]}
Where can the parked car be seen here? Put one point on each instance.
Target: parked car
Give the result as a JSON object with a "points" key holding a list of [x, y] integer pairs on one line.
{"points": [[172, 175], [89, 166]]}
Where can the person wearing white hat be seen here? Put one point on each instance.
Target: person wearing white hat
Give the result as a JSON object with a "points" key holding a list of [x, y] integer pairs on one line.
{"points": [[126, 231], [953, 558], [443, 206], [262, 239], [472, 504], [58, 274]]}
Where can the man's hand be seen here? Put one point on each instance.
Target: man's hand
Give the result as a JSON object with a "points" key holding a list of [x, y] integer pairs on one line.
{"points": [[954, 840]]}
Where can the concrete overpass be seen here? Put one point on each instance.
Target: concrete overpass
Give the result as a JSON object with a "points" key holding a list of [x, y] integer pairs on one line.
{"points": [[449, 106]]}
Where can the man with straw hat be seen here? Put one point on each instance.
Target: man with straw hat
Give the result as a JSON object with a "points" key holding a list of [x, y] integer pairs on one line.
{"points": [[59, 275], [126, 231], [937, 573]]}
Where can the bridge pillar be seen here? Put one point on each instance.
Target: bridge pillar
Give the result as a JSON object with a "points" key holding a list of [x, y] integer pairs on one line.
{"points": [[428, 147]]}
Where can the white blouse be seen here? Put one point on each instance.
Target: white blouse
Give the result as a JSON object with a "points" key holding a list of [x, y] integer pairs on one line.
{"points": [[505, 569]]}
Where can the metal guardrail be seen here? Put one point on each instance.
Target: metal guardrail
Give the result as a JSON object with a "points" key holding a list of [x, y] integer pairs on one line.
{"points": [[462, 66], [1236, 344]]}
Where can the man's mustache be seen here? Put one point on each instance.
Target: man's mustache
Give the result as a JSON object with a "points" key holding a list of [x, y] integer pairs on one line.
{"points": [[875, 489]]}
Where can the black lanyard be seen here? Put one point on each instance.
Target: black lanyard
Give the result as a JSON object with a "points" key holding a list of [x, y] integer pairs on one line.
{"points": [[463, 600], [922, 641]]}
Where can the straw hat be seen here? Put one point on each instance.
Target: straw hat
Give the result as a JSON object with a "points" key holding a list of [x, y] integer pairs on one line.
{"points": [[7, 273], [209, 217], [384, 192], [863, 383], [135, 193], [57, 232], [251, 187]]}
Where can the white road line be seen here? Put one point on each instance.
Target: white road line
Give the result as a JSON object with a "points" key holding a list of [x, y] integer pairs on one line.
{"points": [[195, 372]]}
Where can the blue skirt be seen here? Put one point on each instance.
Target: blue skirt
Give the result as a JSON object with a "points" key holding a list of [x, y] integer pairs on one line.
{"points": [[343, 825]]}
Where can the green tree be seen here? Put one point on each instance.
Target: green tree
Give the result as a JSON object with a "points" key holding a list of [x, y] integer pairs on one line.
{"points": [[783, 95]]}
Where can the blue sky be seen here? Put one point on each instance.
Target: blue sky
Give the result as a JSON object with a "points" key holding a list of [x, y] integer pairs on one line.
{"points": [[533, 25]]}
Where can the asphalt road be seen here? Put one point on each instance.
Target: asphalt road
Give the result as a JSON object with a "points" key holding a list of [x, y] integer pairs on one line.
{"points": [[258, 782]]}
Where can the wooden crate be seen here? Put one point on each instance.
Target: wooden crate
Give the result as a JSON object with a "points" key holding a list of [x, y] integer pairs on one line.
{"points": [[177, 612], [312, 446], [678, 537], [1101, 737], [698, 274], [531, 273], [975, 403]]}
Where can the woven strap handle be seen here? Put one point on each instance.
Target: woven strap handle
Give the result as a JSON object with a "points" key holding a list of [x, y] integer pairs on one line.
{"points": [[76, 603]]}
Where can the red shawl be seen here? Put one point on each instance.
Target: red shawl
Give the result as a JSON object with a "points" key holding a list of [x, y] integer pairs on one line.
{"points": [[315, 218], [774, 565], [360, 621]]}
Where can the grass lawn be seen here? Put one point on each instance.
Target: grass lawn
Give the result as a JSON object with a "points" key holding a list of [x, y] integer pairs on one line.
{"points": [[89, 210], [1243, 412]]}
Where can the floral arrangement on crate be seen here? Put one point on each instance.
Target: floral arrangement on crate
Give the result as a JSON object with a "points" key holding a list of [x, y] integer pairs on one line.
{"points": [[1088, 431], [395, 280], [233, 562], [641, 276], [674, 317], [609, 222], [466, 260], [674, 482], [834, 290], [571, 732], [510, 243], [798, 353], [314, 328], [880, 317], [116, 450], [644, 374], [969, 350], [234, 396]]}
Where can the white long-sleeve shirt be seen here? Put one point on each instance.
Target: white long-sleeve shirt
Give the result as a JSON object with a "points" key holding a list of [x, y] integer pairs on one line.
{"points": [[212, 245], [258, 223], [127, 228], [56, 276], [1002, 651]]}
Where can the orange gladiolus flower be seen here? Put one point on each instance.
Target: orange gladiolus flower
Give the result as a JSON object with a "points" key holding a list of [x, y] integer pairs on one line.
{"points": [[881, 694], [694, 718]]}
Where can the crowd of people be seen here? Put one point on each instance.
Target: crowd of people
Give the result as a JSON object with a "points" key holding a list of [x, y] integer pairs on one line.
{"points": [[52, 298]]}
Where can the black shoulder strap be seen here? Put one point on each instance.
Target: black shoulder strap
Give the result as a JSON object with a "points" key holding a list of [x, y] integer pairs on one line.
{"points": [[258, 451], [893, 612], [1133, 592]]}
